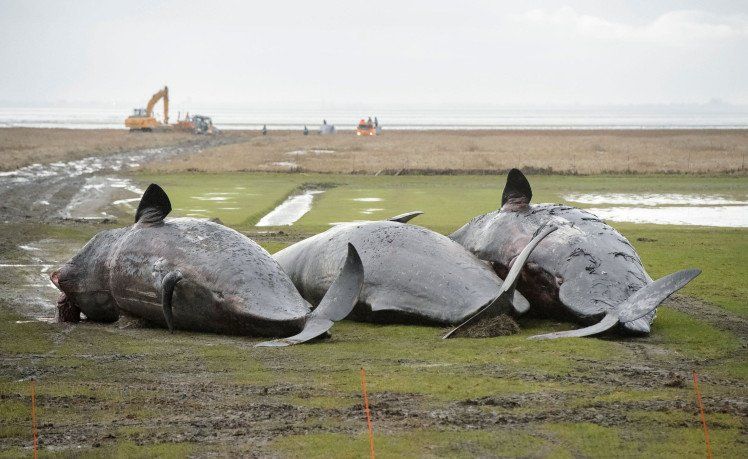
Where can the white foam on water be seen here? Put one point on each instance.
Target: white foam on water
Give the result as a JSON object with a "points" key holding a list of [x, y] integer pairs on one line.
{"points": [[723, 216], [651, 199], [28, 248], [228, 208], [290, 210], [367, 199]]}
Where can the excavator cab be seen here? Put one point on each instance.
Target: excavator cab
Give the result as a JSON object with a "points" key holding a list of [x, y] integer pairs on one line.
{"points": [[142, 118]]}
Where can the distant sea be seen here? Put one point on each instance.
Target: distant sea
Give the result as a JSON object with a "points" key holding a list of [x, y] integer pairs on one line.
{"points": [[648, 117]]}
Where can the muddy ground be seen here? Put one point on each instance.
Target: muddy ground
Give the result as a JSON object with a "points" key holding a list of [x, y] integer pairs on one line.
{"points": [[128, 388]]}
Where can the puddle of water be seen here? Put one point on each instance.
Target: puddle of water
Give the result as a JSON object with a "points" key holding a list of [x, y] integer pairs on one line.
{"points": [[210, 198], [28, 247], [314, 152], [371, 211], [97, 193], [367, 199], [347, 223], [652, 199], [724, 216], [290, 210]]}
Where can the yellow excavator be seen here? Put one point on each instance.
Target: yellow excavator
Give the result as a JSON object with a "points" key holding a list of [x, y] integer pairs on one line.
{"points": [[142, 118]]}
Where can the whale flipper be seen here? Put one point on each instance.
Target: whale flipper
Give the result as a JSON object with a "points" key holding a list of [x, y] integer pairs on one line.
{"points": [[337, 303], [644, 301], [609, 321], [167, 291], [503, 302], [406, 217]]}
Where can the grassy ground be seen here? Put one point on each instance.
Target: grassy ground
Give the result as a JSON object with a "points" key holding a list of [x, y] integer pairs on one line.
{"points": [[126, 390]]}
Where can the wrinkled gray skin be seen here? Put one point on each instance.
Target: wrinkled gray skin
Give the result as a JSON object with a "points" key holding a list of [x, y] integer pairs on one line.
{"points": [[230, 284], [584, 268], [583, 271], [196, 275], [411, 274]]}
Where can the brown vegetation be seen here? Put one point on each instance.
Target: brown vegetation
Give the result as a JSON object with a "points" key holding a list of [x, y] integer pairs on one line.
{"points": [[23, 146], [433, 152]]}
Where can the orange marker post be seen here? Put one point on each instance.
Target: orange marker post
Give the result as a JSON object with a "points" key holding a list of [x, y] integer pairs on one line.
{"points": [[33, 416], [368, 413], [701, 412]]}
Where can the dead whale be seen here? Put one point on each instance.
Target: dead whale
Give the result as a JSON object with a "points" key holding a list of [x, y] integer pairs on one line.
{"points": [[196, 275], [586, 270], [411, 274]]}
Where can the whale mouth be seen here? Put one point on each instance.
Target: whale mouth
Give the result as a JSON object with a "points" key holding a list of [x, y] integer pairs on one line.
{"points": [[67, 311]]}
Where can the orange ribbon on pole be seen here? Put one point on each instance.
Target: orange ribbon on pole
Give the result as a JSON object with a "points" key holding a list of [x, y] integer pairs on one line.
{"points": [[33, 416], [701, 412], [368, 413]]}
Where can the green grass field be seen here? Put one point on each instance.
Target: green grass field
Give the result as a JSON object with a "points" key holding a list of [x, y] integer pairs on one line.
{"points": [[449, 202], [142, 392]]}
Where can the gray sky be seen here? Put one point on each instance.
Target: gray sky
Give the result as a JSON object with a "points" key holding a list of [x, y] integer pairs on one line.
{"points": [[540, 52]]}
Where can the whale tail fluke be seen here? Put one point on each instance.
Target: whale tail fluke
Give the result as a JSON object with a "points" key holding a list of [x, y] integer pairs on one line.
{"points": [[638, 305], [507, 299], [339, 301]]}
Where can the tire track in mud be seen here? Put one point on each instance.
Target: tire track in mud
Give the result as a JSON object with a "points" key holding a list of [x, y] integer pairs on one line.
{"points": [[81, 189]]}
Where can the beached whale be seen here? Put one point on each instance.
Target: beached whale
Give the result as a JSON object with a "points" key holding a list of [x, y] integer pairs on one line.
{"points": [[411, 274], [197, 275], [586, 270]]}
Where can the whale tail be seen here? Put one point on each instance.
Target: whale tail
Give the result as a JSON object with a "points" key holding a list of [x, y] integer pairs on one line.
{"points": [[337, 303], [642, 302], [507, 299]]}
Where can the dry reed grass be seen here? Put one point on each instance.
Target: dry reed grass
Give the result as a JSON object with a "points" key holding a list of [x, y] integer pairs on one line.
{"points": [[433, 152]]}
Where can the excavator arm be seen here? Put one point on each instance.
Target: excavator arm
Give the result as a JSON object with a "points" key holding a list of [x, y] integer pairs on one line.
{"points": [[164, 93]]}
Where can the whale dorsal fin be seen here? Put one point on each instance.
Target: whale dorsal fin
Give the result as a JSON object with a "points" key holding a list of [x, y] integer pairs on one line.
{"points": [[517, 191], [154, 205], [406, 217]]}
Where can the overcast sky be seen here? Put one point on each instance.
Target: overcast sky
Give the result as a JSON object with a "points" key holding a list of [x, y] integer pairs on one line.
{"points": [[540, 52]]}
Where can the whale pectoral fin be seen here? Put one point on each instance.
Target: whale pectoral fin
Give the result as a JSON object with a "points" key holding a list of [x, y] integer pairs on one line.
{"points": [[337, 303], [154, 205], [406, 217], [505, 301], [313, 328], [520, 303], [510, 282], [645, 300], [167, 292], [609, 321]]}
